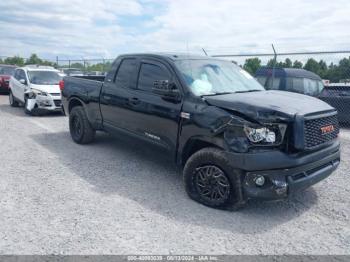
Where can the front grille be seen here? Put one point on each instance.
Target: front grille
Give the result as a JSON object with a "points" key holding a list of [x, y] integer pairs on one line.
{"points": [[313, 131], [57, 103]]}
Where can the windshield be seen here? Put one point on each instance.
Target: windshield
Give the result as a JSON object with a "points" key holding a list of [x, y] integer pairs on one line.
{"points": [[210, 77], [44, 77], [7, 70]]}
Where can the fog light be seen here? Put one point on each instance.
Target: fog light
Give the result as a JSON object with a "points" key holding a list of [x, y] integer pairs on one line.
{"points": [[259, 180]]}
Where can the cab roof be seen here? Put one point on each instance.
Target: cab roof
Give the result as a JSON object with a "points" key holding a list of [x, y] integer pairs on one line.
{"points": [[173, 56], [287, 72]]}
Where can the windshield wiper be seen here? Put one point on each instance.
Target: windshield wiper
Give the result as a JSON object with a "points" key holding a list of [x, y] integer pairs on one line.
{"points": [[217, 94], [248, 91]]}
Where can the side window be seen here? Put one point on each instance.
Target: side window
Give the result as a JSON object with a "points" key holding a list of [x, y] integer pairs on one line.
{"points": [[295, 84], [21, 74], [111, 74], [17, 74], [273, 85], [261, 80], [150, 73], [125, 73]]}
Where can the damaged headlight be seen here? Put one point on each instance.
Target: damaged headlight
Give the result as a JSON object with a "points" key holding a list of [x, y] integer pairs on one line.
{"points": [[265, 134], [39, 93], [35, 92]]}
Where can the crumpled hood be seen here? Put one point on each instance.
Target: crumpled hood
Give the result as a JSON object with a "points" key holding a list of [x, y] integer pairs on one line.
{"points": [[47, 88], [269, 105]]}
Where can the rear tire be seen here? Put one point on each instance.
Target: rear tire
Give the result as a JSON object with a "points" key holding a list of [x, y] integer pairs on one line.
{"points": [[80, 128], [12, 100], [210, 180]]}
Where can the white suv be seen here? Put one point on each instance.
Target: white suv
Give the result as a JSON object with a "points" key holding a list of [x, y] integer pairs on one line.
{"points": [[37, 88]]}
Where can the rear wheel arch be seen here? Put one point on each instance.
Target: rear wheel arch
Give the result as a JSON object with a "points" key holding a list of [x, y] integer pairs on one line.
{"points": [[74, 102]]}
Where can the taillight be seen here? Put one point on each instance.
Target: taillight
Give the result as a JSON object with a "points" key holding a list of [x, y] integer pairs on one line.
{"points": [[61, 84]]}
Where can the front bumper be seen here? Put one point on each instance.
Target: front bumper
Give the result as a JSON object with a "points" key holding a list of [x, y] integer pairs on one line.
{"points": [[286, 174], [45, 104]]}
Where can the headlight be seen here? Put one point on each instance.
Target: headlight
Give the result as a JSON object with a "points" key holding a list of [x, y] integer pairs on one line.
{"points": [[272, 134], [39, 93], [262, 134]]}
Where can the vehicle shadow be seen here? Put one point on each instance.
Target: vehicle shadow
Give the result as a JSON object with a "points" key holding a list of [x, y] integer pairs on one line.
{"points": [[142, 173]]}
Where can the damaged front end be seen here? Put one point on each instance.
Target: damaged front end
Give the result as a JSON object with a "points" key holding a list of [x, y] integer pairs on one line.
{"points": [[242, 134], [38, 102], [246, 140]]}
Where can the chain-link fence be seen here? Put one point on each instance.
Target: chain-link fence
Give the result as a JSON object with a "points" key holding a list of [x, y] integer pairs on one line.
{"points": [[68, 66], [84, 66], [325, 75]]}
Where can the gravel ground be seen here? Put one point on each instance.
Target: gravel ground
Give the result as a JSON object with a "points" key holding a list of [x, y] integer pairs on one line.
{"points": [[117, 196]]}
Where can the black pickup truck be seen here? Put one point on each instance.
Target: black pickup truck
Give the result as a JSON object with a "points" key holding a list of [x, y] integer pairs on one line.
{"points": [[234, 139]]}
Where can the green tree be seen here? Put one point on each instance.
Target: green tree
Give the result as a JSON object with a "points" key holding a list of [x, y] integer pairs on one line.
{"points": [[34, 60], [252, 64], [323, 69], [344, 68], [77, 65], [287, 63], [15, 60], [297, 64], [312, 65], [271, 62]]}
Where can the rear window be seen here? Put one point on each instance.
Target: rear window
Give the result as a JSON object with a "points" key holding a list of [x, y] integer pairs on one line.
{"points": [[44, 77]]}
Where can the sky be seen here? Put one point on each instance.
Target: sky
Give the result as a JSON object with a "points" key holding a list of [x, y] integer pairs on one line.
{"points": [[76, 29]]}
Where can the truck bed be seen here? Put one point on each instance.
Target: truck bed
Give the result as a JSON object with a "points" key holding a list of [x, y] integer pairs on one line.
{"points": [[87, 89], [94, 78]]}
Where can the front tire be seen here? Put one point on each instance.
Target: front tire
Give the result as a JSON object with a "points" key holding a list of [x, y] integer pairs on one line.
{"points": [[210, 180], [80, 127], [12, 100]]}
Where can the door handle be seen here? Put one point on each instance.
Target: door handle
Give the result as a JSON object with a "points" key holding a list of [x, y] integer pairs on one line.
{"points": [[134, 101]]}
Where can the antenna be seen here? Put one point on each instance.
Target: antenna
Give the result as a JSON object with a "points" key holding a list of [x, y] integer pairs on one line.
{"points": [[204, 52]]}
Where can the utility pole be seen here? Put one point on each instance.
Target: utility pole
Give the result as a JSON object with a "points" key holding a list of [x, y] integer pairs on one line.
{"points": [[274, 65]]}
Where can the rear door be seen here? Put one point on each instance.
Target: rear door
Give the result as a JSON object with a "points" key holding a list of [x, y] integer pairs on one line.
{"points": [[154, 117], [115, 99]]}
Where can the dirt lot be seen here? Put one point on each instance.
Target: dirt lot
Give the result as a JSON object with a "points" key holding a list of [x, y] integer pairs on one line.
{"points": [[117, 196]]}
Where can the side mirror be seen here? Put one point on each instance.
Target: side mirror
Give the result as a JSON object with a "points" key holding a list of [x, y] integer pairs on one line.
{"points": [[23, 81], [166, 90]]}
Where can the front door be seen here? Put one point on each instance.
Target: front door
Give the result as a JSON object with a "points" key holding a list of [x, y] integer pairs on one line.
{"points": [[19, 88], [153, 117]]}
